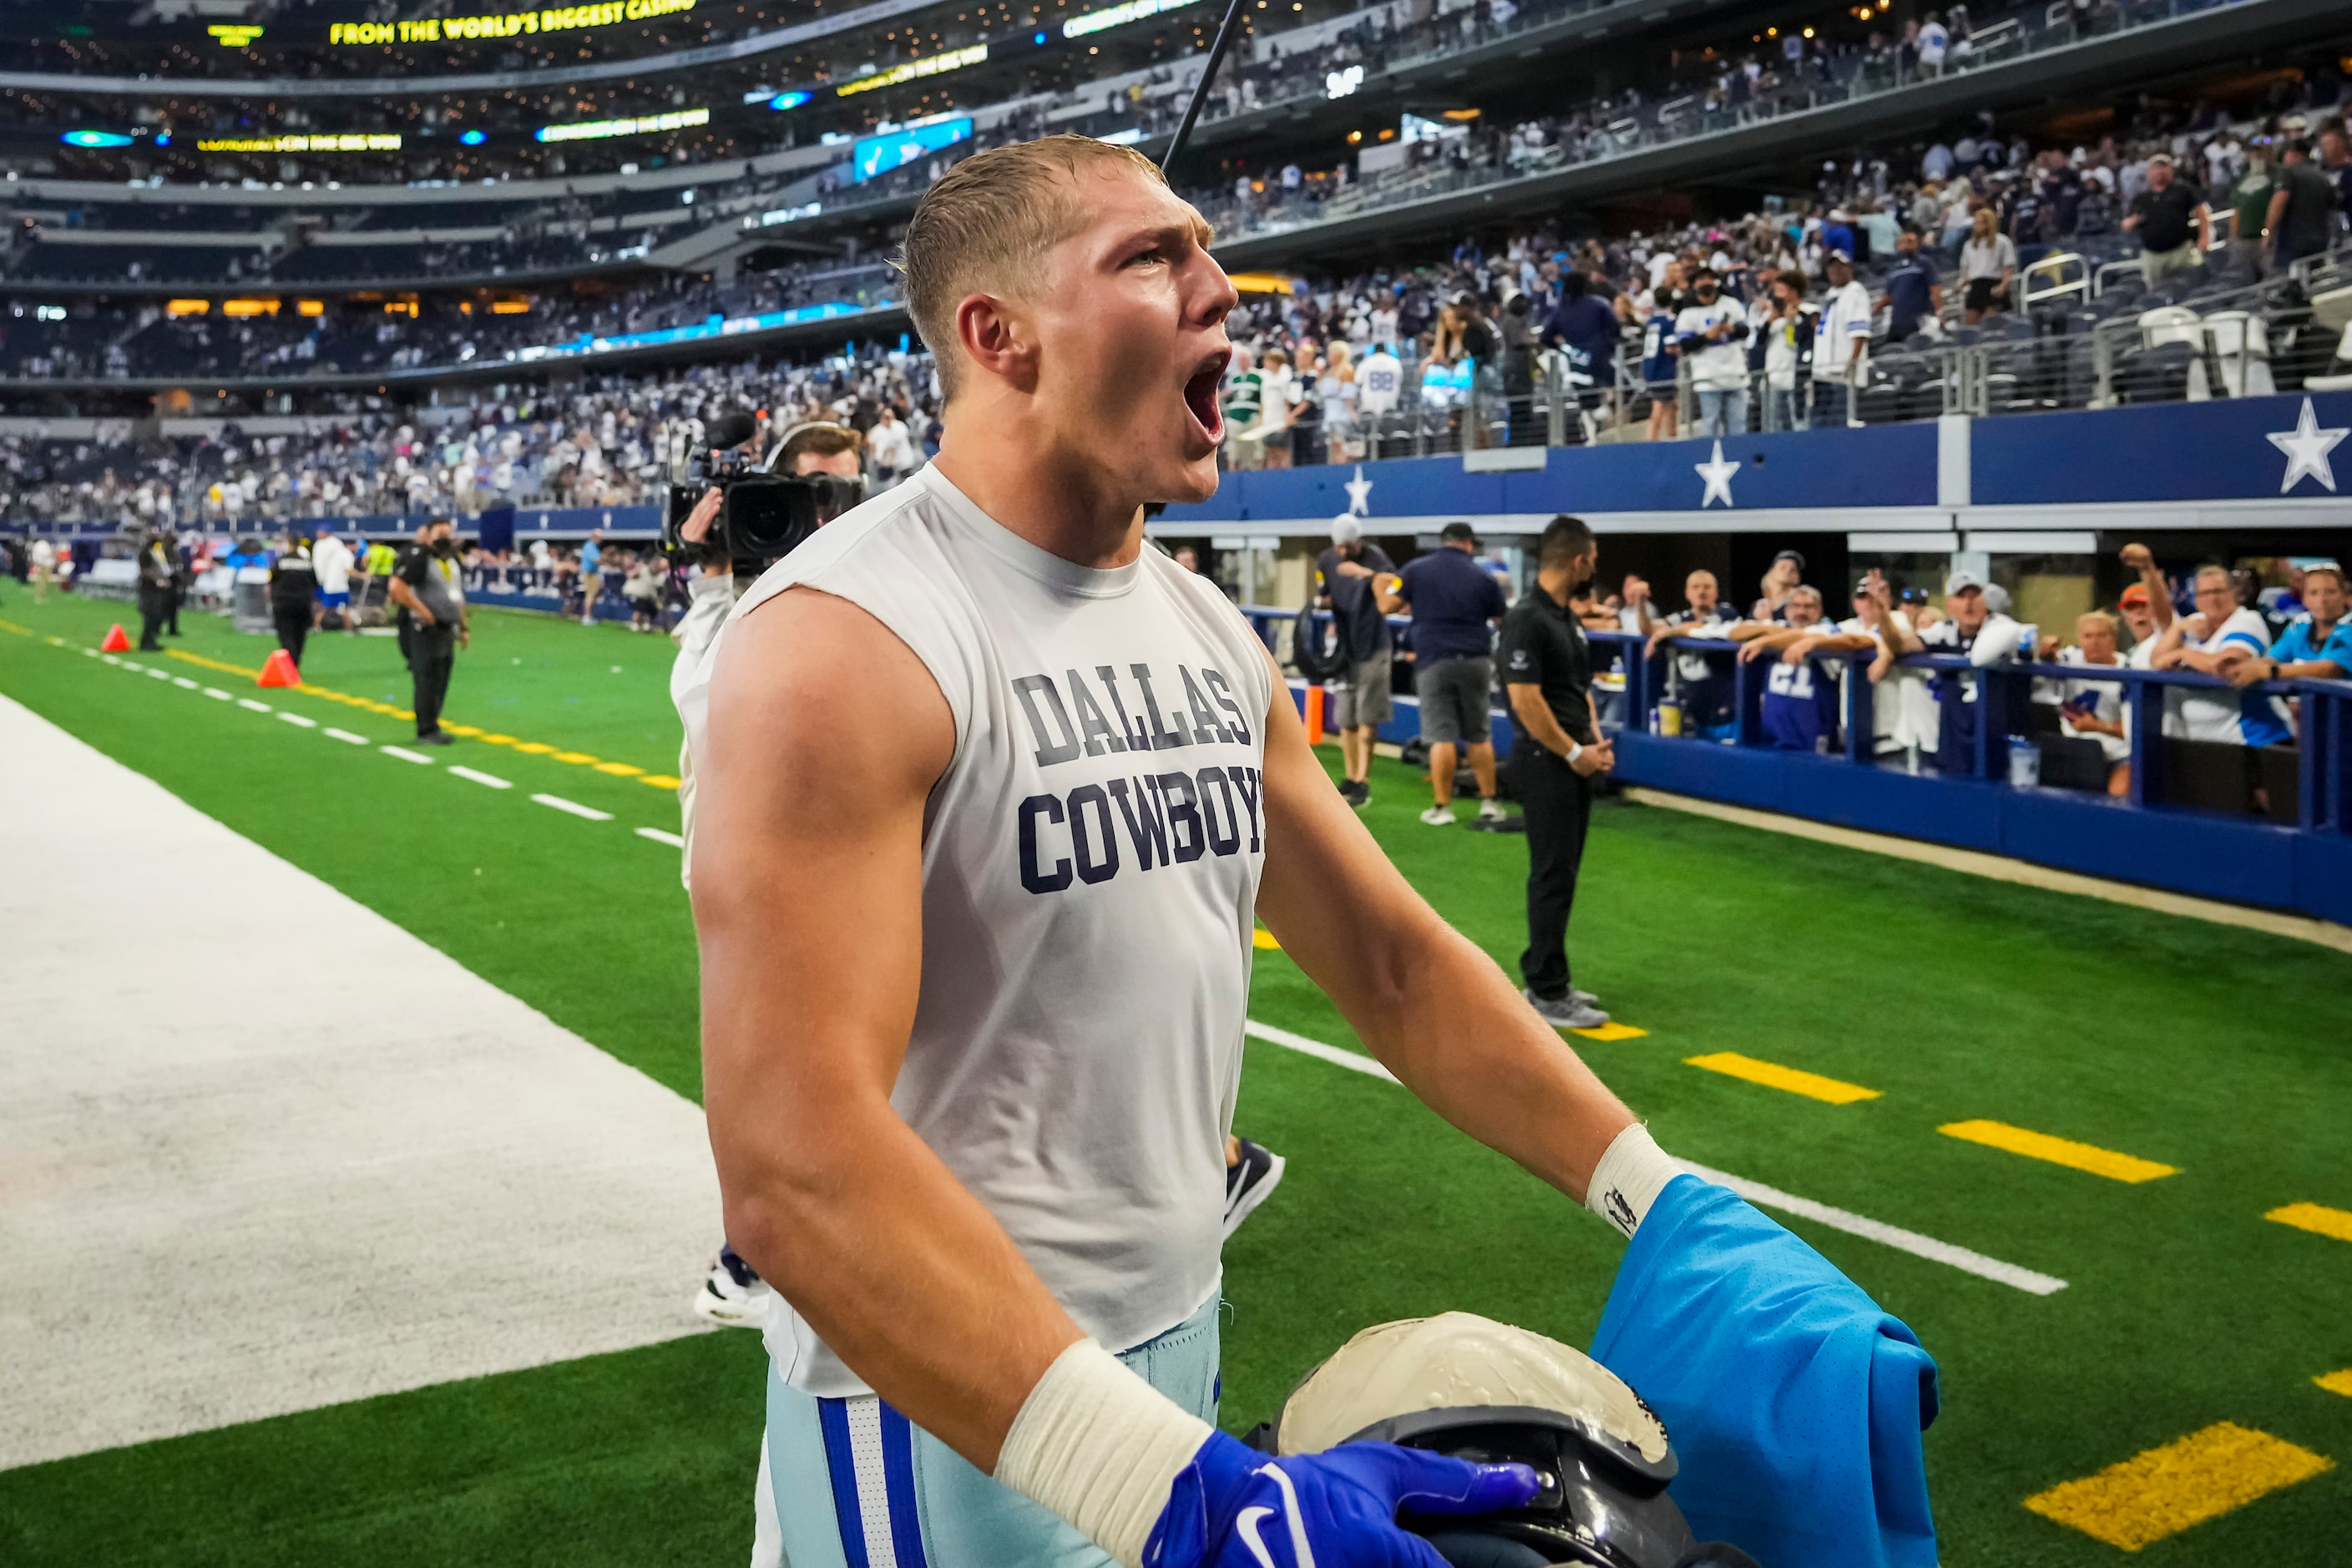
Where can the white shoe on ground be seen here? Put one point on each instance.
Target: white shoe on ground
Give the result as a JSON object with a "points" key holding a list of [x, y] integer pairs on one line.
{"points": [[1438, 816]]}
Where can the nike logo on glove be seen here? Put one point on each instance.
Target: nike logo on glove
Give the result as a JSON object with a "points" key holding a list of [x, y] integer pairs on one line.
{"points": [[1246, 1527]]}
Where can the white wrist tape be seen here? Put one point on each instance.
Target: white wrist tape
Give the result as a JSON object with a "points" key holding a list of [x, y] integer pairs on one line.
{"points": [[1101, 1447], [1632, 1172]]}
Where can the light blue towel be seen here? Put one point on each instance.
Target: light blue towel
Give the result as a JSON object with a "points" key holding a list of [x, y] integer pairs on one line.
{"points": [[1794, 1403]]}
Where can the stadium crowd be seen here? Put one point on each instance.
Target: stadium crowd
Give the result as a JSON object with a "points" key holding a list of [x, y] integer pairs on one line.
{"points": [[608, 444]]}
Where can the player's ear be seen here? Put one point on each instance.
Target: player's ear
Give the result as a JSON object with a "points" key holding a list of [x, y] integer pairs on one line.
{"points": [[997, 337]]}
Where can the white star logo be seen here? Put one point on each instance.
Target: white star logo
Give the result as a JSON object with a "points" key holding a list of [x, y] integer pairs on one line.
{"points": [[2306, 447], [1717, 475], [1359, 492]]}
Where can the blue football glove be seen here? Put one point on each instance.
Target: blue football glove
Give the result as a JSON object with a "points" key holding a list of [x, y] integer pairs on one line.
{"points": [[1234, 1507]]}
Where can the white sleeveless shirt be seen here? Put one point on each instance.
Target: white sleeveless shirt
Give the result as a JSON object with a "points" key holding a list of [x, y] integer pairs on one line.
{"points": [[1091, 869]]}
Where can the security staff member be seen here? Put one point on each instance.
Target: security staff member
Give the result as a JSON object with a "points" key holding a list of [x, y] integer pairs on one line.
{"points": [[1547, 673], [159, 571], [293, 585], [427, 586]]}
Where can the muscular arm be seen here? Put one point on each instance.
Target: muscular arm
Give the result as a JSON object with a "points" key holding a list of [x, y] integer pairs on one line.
{"points": [[1432, 1008], [807, 883]]}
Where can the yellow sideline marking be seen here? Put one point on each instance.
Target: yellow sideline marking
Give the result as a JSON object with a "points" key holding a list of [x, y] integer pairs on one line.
{"points": [[1613, 1030], [2317, 1219], [13, 626], [1771, 1075], [2336, 1381], [2165, 1491], [1263, 940], [530, 748], [2061, 1151]]}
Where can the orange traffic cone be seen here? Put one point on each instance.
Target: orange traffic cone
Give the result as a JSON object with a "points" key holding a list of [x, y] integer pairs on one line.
{"points": [[279, 670], [116, 641]]}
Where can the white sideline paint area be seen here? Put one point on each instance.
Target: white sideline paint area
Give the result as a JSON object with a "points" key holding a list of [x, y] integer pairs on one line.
{"points": [[234, 1186], [1755, 1193]]}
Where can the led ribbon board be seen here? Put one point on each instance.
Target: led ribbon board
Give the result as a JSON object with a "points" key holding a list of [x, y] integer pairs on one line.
{"points": [[597, 130], [930, 65], [373, 141], [504, 24], [1119, 16]]}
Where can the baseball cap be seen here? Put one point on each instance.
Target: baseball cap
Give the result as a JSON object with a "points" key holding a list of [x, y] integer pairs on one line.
{"points": [[1345, 529], [1795, 555], [1835, 253], [2135, 595], [1995, 598], [1861, 587], [1458, 530], [1961, 582]]}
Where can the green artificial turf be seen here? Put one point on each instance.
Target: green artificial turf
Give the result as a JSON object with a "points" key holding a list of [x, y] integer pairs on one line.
{"points": [[2216, 1050]]}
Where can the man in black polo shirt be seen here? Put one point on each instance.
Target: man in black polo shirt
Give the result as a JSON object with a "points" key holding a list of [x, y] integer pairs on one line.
{"points": [[2174, 228], [1547, 673]]}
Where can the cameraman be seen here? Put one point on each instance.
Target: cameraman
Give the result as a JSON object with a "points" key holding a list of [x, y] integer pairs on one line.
{"points": [[733, 1294]]}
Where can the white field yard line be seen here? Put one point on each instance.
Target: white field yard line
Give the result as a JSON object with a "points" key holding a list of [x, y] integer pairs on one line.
{"points": [[573, 807], [1757, 1192]]}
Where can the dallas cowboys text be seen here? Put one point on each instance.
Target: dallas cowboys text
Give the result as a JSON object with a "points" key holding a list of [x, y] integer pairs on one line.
{"points": [[1170, 817]]}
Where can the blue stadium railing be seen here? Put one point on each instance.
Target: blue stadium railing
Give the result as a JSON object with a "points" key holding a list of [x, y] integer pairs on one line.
{"points": [[2303, 865]]}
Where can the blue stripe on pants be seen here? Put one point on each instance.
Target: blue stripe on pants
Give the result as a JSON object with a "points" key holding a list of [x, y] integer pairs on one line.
{"points": [[833, 1414], [941, 1512], [898, 1476]]}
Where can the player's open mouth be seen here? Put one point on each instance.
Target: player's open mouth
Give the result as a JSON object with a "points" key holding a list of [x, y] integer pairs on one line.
{"points": [[1201, 395]]}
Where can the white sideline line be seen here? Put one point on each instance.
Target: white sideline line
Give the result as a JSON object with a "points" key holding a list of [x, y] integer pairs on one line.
{"points": [[247, 703], [1909, 1241], [218, 695], [299, 719], [573, 807], [1755, 1193], [184, 683], [110, 658], [1354, 1062], [92, 653], [658, 837], [407, 756], [471, 774], [157, 674], [345, 736]]}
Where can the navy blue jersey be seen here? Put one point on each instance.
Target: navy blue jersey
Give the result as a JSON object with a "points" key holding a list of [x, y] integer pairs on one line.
{"points": [[1800, 705]]}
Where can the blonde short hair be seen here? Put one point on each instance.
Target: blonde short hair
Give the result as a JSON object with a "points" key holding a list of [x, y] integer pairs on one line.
{"points": [[988, 224]]}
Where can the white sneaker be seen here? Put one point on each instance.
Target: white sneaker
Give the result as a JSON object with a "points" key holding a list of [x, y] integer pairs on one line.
{"points": [[1567, 1013], [1491, 811], [1438, 816], [734, 1297]]}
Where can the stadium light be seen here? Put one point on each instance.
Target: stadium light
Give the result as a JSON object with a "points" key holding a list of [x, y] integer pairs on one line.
{"points": [[472, 137], [1341, 83], [793, 100], [95, 139]]}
